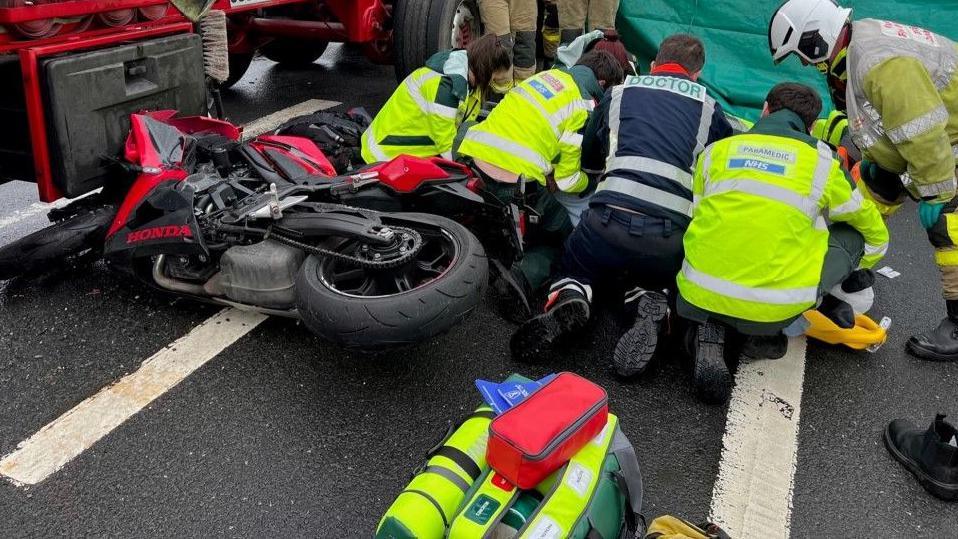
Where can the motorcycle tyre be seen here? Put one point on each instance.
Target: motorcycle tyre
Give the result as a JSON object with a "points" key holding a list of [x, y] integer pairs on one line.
{"points": [[40, 251], [380, 323]]}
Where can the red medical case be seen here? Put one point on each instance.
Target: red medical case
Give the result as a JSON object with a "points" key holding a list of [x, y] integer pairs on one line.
{"points": [[540, 434]]}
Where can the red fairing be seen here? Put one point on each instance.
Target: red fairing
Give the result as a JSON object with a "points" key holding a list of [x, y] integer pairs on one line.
{"points": [[155, 143], [305, 152], [143, 186], [405, 173], [204, 124]]}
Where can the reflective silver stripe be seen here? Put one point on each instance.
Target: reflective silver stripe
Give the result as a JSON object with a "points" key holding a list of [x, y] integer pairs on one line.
{"points": [[447, 155], [571, 284], [707, 178], [415, 90], [571, 139], [566, 112], [374, 147], [522, 92], [645, 193], [452, 476], [823, 169], [876, 249], [651, 166], [821, 223], [851, 206], [568, 182], [555, 119], [935, 189], [508, 146], [705, 124], [615, 110], [771, 296], [919, 126], [449, 113], [765, 190]]}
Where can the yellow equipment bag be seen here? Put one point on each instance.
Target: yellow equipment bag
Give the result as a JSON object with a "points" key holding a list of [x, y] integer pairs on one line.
{"points": [[425, 507], [866, 335]]}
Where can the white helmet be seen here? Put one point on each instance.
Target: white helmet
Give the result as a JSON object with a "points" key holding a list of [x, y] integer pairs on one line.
{"points": [[808, 28]]}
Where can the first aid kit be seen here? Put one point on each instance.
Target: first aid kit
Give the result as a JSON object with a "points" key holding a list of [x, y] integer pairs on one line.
{"points": [[540, 434]]}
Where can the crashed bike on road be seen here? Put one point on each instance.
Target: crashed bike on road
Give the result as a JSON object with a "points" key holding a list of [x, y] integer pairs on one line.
{"points": [[267, 225]]}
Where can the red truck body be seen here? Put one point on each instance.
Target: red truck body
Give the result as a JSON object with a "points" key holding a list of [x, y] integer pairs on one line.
{"points": [[39, 29]]}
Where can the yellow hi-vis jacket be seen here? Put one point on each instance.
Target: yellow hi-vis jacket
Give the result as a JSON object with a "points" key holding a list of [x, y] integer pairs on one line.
{"points": [[423, 114], [537, 128], [759, 232]]}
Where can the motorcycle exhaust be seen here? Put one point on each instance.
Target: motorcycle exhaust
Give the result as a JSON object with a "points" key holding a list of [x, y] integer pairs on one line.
{"points": [[167, 283], [160, 278]]}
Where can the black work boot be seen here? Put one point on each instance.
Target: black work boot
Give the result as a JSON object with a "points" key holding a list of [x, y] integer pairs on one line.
{"points": [[764, 347], [636, 347], [940, 344], [512, 294], [566, 312], [930, 455], [710, 377]]}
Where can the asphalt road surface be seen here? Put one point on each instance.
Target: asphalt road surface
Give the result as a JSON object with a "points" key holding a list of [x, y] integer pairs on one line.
{"points": [[280, 434]]}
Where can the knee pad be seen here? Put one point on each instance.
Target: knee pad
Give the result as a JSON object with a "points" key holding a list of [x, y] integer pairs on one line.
{"points": [[568, 36], [524, 50]]}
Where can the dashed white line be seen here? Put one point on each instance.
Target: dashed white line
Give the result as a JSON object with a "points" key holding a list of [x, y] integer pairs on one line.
{"points": [[74, 432], [752, 496]]}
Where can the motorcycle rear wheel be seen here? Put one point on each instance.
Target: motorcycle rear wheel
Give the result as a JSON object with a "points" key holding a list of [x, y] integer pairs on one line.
{"points": [[374, 310], [40, 251]]}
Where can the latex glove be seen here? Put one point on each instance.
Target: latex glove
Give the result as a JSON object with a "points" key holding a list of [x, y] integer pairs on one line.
{"points": [[929, 212]]}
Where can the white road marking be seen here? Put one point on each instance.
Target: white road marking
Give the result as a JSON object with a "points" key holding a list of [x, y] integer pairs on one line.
{"points": [[37, 208], [33, 209], [274, 120], [74, 432], [752, 496]]}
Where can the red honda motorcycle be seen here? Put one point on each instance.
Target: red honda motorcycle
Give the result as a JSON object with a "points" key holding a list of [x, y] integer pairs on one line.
{"points": [[267, 225]]}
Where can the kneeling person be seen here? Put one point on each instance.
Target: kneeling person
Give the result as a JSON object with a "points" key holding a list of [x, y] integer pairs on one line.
{"points": [[646, 135], [535, 133], [759, 251], [423, 115]]}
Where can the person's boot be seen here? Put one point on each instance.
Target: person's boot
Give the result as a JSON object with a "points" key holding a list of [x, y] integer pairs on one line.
{"points": [[930, 455], [764, 347], [940, 344], [512, 294], [710, 377], [635, 348], [567, 311]]}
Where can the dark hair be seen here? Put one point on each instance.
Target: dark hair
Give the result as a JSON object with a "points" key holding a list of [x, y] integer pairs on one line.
{"points": [[611, 44], [683, 49], [798, 98], [486, 56], [605, 67]]}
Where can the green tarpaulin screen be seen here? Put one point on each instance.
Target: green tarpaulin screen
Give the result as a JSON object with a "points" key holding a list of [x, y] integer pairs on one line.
{"points": [[739, 69]]}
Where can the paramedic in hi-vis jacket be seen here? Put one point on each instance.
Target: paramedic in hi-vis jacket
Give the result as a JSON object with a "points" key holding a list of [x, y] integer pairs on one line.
{"points": [[899, 86], [531, 143], [777, 228], [645, 135]]}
